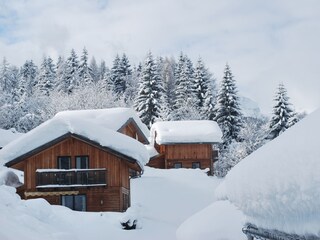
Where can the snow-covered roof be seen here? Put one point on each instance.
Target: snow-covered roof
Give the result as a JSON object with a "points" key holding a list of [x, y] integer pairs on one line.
{"points": [[112, 118], [7, 136], [96, 125], [278, 186], [197, 131]]}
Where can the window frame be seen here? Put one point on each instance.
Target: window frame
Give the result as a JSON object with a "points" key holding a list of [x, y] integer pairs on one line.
{"points": [[174, 165], [196, 163], [74, 201], [87, 162], [59, 162]]}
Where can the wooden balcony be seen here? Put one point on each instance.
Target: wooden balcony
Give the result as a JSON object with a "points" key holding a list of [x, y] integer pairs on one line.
{"points": [[59, 178]]}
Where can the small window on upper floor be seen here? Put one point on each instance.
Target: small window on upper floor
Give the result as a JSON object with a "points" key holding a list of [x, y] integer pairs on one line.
{"points": [[82, 162], [64, 162], [177, 165], [196, 165]]}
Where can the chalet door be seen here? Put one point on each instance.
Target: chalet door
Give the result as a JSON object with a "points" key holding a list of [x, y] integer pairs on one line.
{"points": [[75, 202]]}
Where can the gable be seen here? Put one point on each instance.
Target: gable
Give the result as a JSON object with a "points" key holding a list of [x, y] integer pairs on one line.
{"points": [[131, 129], [64, 137]]}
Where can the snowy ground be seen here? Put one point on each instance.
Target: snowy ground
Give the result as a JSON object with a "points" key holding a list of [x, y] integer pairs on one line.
{"points": [[162, 200]]}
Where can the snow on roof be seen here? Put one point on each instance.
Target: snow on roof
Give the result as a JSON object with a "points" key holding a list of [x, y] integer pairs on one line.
{"points": [[197, 131], [112, 118], [92, 124], [278, 186], [7, 136]]}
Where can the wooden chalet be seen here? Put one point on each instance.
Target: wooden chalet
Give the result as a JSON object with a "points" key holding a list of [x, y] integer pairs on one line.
{"points": [[185, 144], [81, 159]]}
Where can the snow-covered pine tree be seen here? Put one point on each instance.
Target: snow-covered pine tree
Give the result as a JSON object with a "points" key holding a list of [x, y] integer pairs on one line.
{"points": [[185, 106], [148, 101], [46, 77], [84, 70], [71, 74], [227, 109], [168, 79], [94, 70], [61, 85], [28, 81], [282, 113], [204, 90], [102, 70], [5, 83]]}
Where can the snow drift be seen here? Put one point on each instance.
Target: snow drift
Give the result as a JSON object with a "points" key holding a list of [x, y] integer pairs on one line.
{"points": [[277, 187]]}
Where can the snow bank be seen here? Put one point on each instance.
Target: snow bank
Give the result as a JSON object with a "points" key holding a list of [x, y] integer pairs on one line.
{"points": [[161, 199], [220, 220], [75, 122], [201, 131], [7, 136], [277, 187]]}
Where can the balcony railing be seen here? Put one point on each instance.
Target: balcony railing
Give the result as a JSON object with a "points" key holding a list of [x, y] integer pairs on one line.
{"points": [[71, 178]]}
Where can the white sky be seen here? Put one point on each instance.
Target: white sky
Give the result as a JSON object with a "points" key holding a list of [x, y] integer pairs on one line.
{"points": [[265, 42]]}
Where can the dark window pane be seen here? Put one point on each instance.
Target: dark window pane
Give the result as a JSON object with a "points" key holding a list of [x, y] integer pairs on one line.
{"points": [[67, 201], [82, 162], [64, 162], [195, 165], [177, 165], [80, 203]]}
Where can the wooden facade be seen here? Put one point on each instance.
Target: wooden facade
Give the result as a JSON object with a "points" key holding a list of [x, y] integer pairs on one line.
{"points": [[111, 193], [184, 155]]}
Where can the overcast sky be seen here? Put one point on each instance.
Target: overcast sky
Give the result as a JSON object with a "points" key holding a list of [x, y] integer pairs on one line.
{"points": [[265, 42]]}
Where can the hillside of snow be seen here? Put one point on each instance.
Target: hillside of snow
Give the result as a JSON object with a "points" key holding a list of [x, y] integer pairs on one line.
{"points": [[161, 201], [278, 186]]}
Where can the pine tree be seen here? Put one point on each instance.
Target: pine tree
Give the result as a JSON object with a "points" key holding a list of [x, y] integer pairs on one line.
{"points": [[148, 103], [46, 77], [102, 70], [185, 106], [227, 110], [282, 113], [5, 83], [84, 70], [61, 84], [28, 81], [71, 76], [94, 70]]}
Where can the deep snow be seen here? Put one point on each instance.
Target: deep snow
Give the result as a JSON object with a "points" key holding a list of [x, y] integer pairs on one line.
{"points": [[278, 186], [195, 131], [161, 200]]}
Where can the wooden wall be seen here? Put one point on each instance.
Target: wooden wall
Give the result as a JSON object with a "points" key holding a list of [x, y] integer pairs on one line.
{"points": [[185, 154], [117, 171], [189, 151]]}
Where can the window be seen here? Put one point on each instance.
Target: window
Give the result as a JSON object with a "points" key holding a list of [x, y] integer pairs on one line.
{"points": [[126, 201], [82, 162], [75, 202], [196, 165], [177, 165], [64, 162]]}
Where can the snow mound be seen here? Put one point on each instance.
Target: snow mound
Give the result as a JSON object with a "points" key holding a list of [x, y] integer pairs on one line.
{"points": [[7, 136], [201, 131], [277, 187], [93, 127], [220, 220]]}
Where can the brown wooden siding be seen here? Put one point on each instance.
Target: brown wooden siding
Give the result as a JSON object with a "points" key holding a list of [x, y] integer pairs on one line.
{"points": [[185, 154], [189, 151], [117, 169]]}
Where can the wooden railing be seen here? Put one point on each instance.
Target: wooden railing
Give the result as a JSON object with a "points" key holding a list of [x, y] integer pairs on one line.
{"points": [[70, 177]]}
